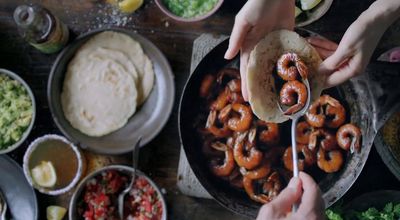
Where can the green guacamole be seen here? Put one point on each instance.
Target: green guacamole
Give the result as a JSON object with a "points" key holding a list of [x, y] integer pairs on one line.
{"points": [[15, 111], [190, 8]]}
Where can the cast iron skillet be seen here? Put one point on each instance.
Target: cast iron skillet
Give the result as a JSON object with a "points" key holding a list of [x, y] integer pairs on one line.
{"points": [[355, 95]]}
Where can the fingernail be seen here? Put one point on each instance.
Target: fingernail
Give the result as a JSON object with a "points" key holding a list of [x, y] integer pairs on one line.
{"points": [[226, 54], [293, 184]]}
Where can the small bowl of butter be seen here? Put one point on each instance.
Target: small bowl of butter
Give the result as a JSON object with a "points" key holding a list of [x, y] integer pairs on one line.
{"points": [[53, 165]]}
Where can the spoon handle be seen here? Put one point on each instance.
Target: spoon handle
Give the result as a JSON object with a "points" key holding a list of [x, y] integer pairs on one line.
{"points": [[294, 155], [135, 156]]}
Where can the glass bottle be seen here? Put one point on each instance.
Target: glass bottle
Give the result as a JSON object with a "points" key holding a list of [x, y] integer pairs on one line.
{"points": [[40, 28]]}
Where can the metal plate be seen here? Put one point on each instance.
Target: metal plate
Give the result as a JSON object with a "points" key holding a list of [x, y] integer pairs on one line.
{"points": [[149, 118], [20, 196]]}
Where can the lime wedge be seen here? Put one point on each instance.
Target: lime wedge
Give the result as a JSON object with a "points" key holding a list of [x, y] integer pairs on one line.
{"points": [[44, 174], [55, 212], [297, 11], [129, 6], [309, 4]]}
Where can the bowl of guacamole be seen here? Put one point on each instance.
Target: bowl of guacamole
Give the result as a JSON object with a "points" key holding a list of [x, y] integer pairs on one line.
{"points": [[189, 10], [17, 111]]}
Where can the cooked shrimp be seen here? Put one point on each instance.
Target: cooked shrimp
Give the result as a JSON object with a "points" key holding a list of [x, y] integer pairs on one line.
{"points": [[273, 185], [221, 101], [246, 116], [209, 150], [290, 90], [227, 72], [269, 133], [206, 85], [329, 161], [324, 138], [235, 85], [325, 106], [307, 157], [349, 137], [236, 97], [289, 65], [250, 159], [248, 185], [260, 172], [336, 116], [223, 115], [213, 129], [226, 168], [303, 131]]}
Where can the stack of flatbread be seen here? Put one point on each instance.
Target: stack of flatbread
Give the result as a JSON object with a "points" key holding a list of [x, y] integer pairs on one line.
{"points": [[109, 76]]}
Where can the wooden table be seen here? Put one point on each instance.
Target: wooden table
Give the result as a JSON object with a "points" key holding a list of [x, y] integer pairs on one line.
{"points": [[159, 158]]}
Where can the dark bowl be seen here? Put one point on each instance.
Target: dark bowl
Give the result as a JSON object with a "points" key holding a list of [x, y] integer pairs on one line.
{"points": [[333, 186]]}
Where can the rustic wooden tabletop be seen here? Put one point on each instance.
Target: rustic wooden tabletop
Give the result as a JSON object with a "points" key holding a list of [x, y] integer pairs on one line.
{"points": [[159, 159]]}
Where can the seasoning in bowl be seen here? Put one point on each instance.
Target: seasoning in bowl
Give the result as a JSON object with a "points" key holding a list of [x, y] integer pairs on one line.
{"points": [[190, 8], [53, 165], [16, 111], [99, 198]]}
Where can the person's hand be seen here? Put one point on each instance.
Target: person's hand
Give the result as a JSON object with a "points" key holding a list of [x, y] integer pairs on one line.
{"points": [[252, 23], [358, 43], [311, 203], [324, 47]]}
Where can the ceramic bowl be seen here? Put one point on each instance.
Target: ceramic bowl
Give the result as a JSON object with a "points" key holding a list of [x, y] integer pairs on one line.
{"points": [[29, 128], [73, 212], [81, 166], [166, 11]]}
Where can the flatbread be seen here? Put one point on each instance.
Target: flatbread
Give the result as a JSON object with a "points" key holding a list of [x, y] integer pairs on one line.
{"points": [[263, 96], [99, 93], [131, 48]]}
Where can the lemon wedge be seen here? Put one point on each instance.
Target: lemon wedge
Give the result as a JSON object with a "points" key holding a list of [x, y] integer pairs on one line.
{"points": [[297, 11], [44, 174], [309, 4], [55, 212], [129, 6]]}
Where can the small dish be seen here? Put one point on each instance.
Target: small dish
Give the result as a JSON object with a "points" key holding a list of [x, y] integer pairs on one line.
{"points": [[29, 128], [315, 13], [77, 196], [69, 164], [21, 198], [166, 11]]}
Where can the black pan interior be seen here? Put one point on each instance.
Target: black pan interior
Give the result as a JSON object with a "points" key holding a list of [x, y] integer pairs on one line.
{"points": [[233, 199]]}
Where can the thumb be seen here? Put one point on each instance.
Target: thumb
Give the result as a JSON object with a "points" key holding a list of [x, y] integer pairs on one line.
{"points": [[333, 62], [290, 195]]}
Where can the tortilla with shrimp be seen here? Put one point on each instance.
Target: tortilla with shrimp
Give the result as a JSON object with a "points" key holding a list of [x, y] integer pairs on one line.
{"points": [[263, 96]]}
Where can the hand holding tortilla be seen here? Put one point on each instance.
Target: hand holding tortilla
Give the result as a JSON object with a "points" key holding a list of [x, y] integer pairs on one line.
{"points": [[252, 23], [352, 55], [108, 78], [261, 76]]}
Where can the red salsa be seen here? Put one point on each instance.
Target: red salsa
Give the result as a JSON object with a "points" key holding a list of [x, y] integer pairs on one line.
{"points": [[99, 198]]}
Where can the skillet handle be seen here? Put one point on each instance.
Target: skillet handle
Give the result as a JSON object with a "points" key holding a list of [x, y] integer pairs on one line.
{"points": [[383, 80]]}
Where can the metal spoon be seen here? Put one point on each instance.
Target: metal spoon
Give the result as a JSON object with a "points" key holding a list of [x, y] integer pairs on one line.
{"points": [[121, 196], [295, 117], [3, 206]]}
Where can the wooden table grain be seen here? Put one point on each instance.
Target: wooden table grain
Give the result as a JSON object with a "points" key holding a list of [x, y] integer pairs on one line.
{"points": [[159, 159]]}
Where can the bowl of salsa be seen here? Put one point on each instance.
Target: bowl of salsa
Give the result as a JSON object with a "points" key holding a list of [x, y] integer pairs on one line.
{"points": [[189, 10], [96, 196]]}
